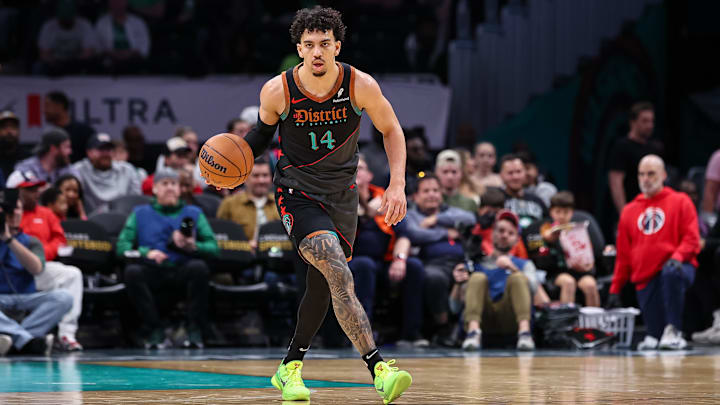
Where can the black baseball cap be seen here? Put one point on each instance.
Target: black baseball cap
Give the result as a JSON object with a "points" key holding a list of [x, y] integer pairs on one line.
{"points": [[100, 141]]}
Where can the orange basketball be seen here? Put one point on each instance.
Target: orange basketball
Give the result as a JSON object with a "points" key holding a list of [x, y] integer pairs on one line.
{"points": [[226, 160]]}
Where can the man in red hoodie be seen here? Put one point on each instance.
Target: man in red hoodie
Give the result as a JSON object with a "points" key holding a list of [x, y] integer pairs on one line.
{"points": [[657, 243], [42, 223]]}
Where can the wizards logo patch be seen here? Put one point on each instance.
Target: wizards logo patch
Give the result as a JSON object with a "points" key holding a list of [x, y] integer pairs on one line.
{"points": [[287, 221]]}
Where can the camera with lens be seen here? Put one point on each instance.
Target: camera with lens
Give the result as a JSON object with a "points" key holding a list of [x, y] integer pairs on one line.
{"points": [[187, 226], [472, 244], [8, 202]]}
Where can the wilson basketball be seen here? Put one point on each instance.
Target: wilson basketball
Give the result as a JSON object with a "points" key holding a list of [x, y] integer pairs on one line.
{"points": [[226, 160]]}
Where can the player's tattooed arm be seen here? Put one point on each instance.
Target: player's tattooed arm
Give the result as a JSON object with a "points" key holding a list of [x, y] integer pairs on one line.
{"points": [[324, 252]]}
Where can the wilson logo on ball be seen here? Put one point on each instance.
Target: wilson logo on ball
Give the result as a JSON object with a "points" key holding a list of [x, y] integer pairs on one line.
{"points": [[211, 162]]}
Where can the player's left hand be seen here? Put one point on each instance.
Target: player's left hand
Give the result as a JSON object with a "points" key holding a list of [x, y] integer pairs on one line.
{"points": [[394, 205]]}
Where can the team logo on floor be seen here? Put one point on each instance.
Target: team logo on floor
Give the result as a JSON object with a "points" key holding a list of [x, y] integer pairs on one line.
{"points": [[651, 220], [287, 220]]}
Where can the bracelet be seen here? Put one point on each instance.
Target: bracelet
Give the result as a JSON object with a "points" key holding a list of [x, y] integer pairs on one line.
{"points": [[9, 240], [400, 256]]}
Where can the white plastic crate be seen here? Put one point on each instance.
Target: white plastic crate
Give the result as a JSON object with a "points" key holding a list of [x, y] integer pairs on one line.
{"points": [[619, 321]]}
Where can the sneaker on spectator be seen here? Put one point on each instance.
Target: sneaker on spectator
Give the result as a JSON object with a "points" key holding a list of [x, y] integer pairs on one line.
{"points": [[69, 344], [5, 344], [472, 341], [36, 346], [525, 342], [649, 343], [156, 340], [710, 335], [672, 339], [409, 344], [193, 340], [421, 343]]}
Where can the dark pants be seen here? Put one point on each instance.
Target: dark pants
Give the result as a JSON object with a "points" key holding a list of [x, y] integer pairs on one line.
{"points": [[663, 299], [368, 271], [438, 281], [192, 278]]}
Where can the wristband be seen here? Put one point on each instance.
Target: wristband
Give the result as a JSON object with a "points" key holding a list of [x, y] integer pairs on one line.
{"points": [[400, 256]]}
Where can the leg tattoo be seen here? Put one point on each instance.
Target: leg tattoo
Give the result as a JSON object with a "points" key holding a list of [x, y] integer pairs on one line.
{"points": [[324, 252]]}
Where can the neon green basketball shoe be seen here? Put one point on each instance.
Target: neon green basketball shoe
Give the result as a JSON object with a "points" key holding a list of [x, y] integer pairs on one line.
{"points": [[288, 380], [390, 382]]}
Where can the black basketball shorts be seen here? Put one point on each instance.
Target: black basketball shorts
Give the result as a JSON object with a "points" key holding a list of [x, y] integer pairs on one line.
{"points": [[304, 213]]}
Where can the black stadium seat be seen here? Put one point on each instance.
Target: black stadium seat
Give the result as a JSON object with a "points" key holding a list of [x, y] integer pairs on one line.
{"points": [[112, 222], [208, 203], [235, 251], [92, 252], [275, 250], [127, 203]]}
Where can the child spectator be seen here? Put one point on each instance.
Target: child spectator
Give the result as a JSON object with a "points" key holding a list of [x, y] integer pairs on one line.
{"points": [[568, 244], [54, 199]]}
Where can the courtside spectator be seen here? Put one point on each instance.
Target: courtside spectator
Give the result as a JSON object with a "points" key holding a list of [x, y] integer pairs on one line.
{"points": [[704, 292], [23, 258], [54, 199], [173, 240], [376, 157], [191, 139], [254, 205], [11, 151], [527, 206], [71, 188], [536, 184], [498, 293], [41, 223], [135, 143], [569, 262], [469, 187], [485, 159], [66, 43], [57, 114], [418, 158], [433, 227], [382, 257], [120, 154], [657, 245], [627, 152], [245, 122], [176, 156], [711, 191], [448, 170], [123, 39], [491, 202], [104, 179], [51, 161]]}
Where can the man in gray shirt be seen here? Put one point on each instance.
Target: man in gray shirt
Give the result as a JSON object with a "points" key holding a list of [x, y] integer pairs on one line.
{"points": [[103, 179], [51, 160]]}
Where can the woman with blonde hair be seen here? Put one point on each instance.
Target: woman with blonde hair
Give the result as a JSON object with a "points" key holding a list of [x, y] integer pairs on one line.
{"points": [[469, 186]]}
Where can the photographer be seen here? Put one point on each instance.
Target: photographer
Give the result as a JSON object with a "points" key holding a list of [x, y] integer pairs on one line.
{"points": [[21, 258], [172, 240], [499, 290]]}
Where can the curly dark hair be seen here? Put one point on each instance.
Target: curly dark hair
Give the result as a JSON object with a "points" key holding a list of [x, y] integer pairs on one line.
{"points": [[317, 19]]}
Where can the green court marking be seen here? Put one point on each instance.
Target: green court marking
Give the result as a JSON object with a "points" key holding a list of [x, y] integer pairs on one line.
{"points": [[70, 376]]}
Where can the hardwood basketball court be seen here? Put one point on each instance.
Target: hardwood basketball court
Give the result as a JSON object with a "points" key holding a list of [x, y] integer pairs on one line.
{"points": [[223, 376]]}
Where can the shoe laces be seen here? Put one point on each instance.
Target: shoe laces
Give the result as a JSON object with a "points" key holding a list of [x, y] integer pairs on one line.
{"points": [[294, 376], [384, 370]]}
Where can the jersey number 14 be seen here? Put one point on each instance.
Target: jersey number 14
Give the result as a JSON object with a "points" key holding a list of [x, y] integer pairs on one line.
{"points": [[326, 139]]}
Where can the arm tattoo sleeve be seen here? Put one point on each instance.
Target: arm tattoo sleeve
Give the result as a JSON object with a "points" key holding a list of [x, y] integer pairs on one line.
{"points": [[325, 253]]}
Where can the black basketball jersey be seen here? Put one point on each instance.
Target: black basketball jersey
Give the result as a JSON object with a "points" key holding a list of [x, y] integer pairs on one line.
{"points": [[318, 137]]}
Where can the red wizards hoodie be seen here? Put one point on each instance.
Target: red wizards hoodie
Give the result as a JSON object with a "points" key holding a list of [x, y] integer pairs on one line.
{"points": [[652, 231]]}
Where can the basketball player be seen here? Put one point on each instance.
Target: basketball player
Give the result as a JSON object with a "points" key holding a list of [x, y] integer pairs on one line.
{"points": [[317, 106]]}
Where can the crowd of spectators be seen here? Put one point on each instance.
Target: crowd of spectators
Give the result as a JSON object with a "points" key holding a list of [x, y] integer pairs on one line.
{"points": [[120, 37], [478, 253]]}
